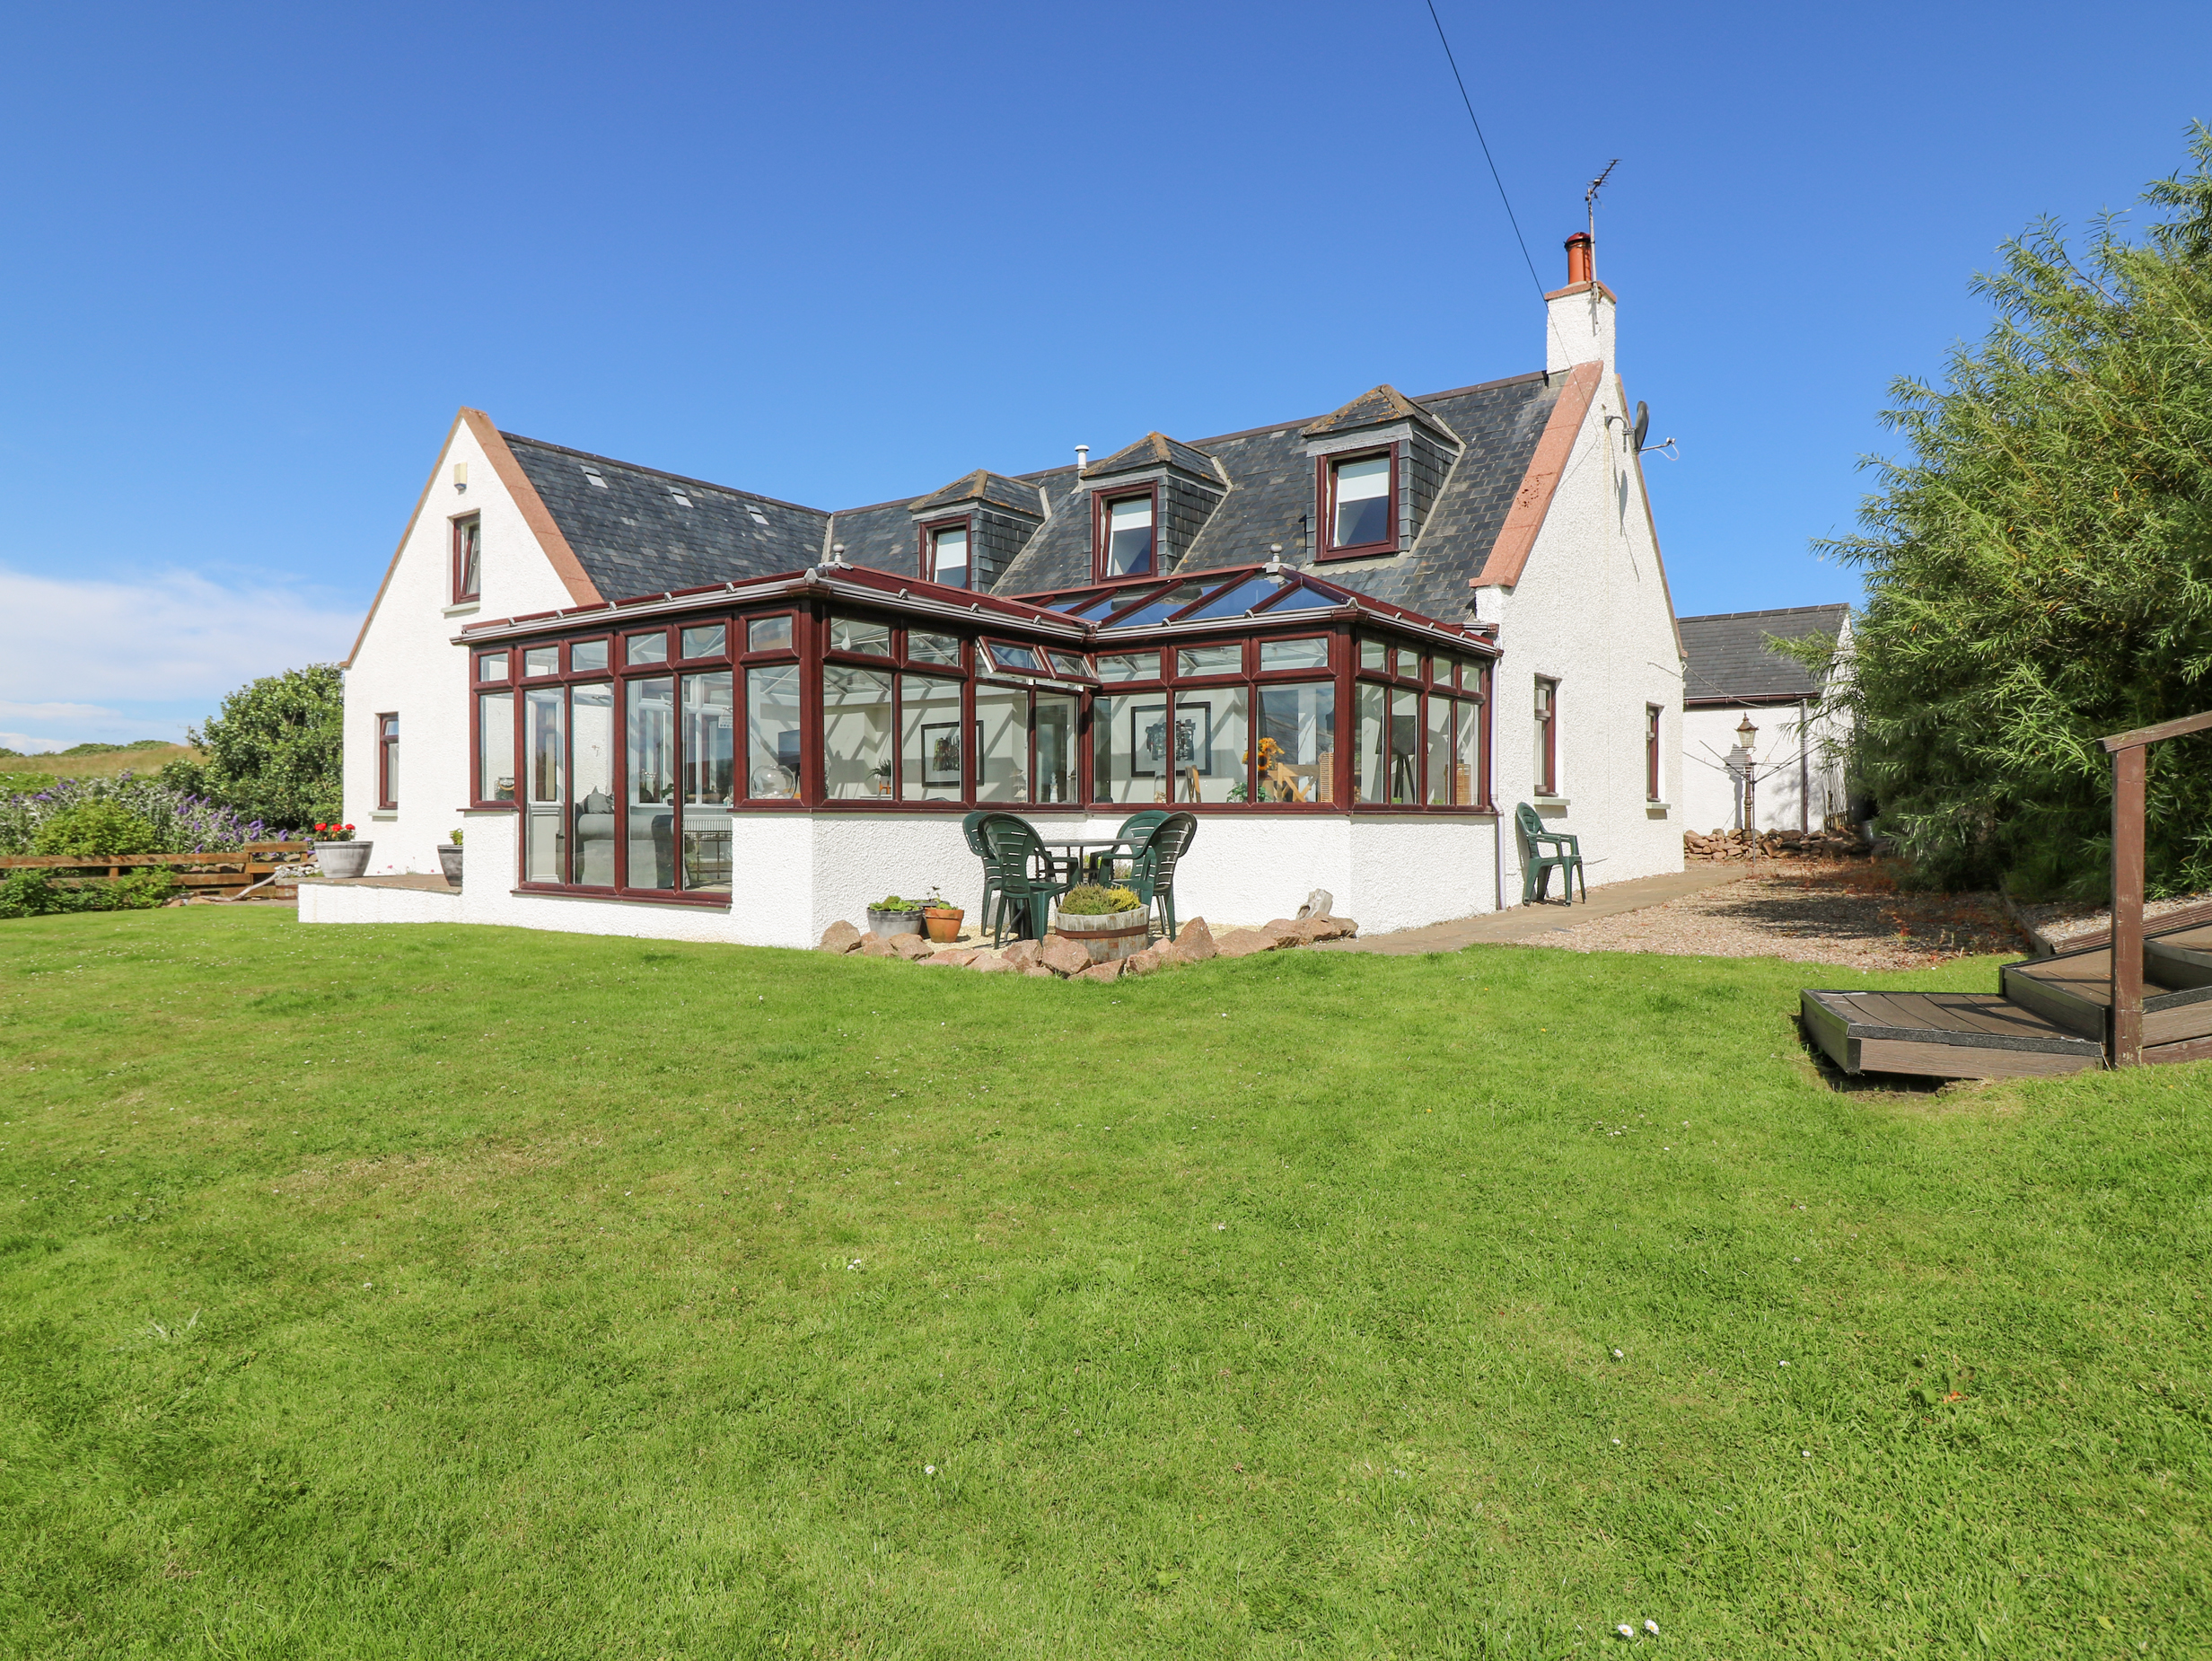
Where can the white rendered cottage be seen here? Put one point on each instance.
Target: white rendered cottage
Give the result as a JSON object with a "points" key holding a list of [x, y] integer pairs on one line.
{"points": [[1350, 644], [1799, 747]]}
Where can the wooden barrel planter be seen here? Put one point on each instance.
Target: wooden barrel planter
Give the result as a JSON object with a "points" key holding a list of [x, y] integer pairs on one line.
{"points": [[1116, 934]]}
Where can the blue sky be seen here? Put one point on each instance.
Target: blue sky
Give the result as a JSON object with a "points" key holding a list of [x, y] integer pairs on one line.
{"points": [[841, 254]]}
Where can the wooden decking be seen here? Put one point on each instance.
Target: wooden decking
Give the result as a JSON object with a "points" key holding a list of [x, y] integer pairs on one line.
{"points": [[2051, 1016]]}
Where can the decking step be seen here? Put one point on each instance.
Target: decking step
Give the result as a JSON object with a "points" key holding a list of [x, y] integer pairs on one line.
{"points": [[1944, 1035], [2075, 989], [2178, 964]]}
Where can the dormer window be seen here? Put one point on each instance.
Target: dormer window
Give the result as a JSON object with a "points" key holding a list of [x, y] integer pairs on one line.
{"points": [[946, 549], [1360, 494], [1125, 542]]}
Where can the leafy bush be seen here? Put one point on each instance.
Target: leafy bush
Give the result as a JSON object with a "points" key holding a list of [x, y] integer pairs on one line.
{"points": [[2039, 567], [34, 893], [1089, 900], [894, 903], [182, 823], [275, 751], [100, 826]]}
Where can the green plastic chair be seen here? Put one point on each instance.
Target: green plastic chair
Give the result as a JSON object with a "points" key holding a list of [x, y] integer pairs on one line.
{"points": [[1537, 868], [971, 828], [1134, 830], [1022, 871], [1152, 874]]}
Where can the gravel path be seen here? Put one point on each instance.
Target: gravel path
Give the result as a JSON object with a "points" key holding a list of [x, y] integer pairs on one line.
{"points": [[1849, 913]]}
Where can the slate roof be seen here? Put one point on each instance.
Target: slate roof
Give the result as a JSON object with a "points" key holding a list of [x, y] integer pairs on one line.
{"points": [[1378, 406], [633, 536], [1730, 661]]}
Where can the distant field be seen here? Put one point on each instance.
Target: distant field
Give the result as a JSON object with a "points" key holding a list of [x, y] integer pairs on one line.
{"points": [[445, 1292], [35, 772]]}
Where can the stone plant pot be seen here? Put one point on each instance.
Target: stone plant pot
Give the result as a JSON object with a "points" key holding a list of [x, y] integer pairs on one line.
{"points": [[891, 925], [343, 859], [943, 922], [449, 862], [1116, 934]]}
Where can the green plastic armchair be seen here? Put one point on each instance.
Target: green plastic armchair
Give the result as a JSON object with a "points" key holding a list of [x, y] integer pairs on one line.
{"points": [[1536, 869], [1022, 869]]}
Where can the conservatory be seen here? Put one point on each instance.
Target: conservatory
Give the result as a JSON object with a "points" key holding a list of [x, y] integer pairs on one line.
{"points": [[754, 761]]}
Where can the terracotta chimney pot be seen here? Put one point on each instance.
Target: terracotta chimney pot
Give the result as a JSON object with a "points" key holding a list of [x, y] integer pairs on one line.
{"points": [[1581, 259]]}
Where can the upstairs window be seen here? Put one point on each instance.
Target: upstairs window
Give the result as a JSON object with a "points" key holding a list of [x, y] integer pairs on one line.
{"points": [[948, 555], [1359, 492], [468, 558], [1125, 536]]}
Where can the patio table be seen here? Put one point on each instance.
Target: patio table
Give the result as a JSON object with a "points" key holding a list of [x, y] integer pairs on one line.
{"points": [[1079, 859]]}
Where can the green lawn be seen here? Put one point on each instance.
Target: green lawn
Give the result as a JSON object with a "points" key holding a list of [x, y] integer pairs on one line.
{"points": [[472, 1293]]}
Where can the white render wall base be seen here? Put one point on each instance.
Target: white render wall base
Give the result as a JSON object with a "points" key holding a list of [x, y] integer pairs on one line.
{"points": [[796, 874]]}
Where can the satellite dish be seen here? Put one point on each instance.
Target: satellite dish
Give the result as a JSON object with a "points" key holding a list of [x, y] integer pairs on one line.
{"points": [[1643, 424]]}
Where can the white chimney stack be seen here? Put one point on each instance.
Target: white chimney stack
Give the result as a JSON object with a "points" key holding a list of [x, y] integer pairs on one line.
{"points": [[1082, 457], [1578, 327]]}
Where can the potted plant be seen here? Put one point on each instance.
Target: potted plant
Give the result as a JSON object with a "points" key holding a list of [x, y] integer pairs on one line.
{"points": [[1107, 923], [889, 917], [449, 860], [337, 854], [944, 920]]}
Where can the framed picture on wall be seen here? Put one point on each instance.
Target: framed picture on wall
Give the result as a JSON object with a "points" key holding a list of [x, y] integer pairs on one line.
{"points": [[940, 753], [1194, 737]]}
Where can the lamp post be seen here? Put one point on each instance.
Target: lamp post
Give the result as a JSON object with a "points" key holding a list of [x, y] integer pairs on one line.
{"points": [[1746, 771]]}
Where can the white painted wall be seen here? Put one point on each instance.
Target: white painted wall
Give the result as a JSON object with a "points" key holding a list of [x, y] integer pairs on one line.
{"points": [[1592, 611], [1798, 762], [798, 873], [406, 663]]}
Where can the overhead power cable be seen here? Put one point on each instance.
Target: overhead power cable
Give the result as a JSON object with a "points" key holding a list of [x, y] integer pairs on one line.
{"points": [[1510, 218]]}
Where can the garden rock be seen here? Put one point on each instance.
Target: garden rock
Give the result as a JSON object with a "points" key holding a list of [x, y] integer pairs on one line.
{"points": [[1063, 956], [912, 948], [840, 937], [1111, 969], [1317, 903], [990, 963], [1021, 955], [875, 946], [1145, 963], [1193, 944], [1038, 972], [1245, 943], [955, 959]]}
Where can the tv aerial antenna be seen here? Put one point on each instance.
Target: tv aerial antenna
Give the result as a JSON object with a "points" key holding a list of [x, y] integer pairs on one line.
{"points": [[1589, 197]]}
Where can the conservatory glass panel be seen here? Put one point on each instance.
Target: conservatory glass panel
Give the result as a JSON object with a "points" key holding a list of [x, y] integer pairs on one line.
{"points": [[923, 648], [592, 757], [543, 841], [1056, 747], [772, 732], [495, 747], [1114, 770], [1129, 666], [850, 634], [1370, 774], [650, 720], [1017, 657], [709, 781], [855, 734], [542, 660], [1297, 749], [929, 741], [1405, 747], [492, 666], [1312, 653], [1438, 735], [1238, 598], [1155, 611], [1466, 771], [1212, 744], [1363, 501], [1002, 743], [1210, 660], [1071, 665], [769, 634], [587, 656], [706, 640], [651, 648], [1301, 599], [1373, 654]]}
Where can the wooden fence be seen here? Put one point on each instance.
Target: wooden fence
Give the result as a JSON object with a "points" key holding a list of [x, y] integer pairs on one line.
{"points": [[223, 875]]}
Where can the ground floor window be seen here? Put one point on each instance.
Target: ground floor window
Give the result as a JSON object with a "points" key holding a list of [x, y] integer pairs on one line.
{"points": [[855, 734], [495, 747], [388, 761], [1295, 760], [772, 732], [929, 739], [1651, 752], [1546, 737]]}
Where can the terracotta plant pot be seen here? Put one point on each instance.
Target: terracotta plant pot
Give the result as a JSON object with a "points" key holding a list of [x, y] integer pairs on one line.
{"points": [[943, 922], [449, 862], [342, 859], [1116, 934]]}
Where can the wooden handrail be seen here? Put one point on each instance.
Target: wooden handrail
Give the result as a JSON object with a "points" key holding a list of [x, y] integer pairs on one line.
{"points": [[2124, 1036]]}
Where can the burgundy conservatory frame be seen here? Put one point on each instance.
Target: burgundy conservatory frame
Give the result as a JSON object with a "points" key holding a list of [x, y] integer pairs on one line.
{"points": [[909, 606]]}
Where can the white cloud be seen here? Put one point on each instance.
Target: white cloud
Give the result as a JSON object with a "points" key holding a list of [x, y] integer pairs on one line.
{"points": [[173, 637]]}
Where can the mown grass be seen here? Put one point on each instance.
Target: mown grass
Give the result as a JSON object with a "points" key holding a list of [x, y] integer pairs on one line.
{"points": [[474, 1293]]}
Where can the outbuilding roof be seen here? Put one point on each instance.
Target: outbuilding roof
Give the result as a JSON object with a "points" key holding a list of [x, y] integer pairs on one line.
{"points": [[1730, 661]]}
